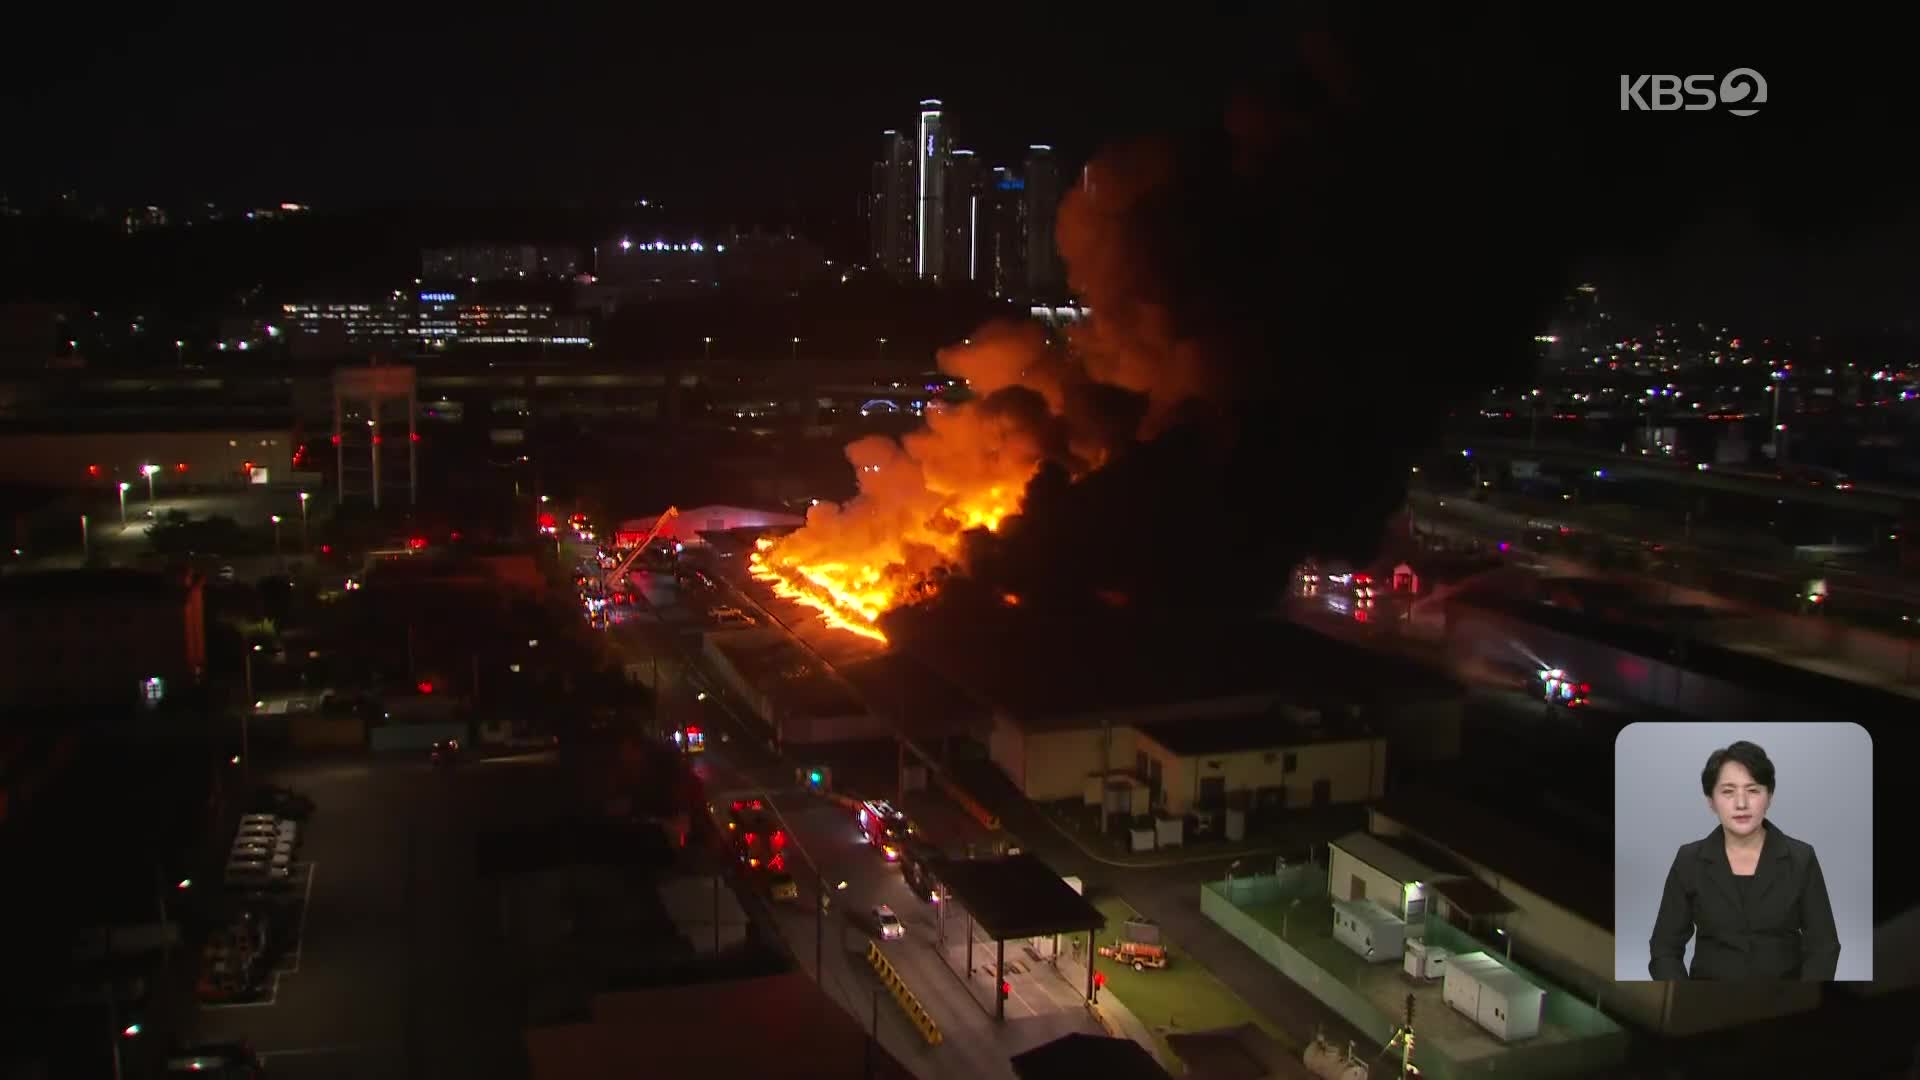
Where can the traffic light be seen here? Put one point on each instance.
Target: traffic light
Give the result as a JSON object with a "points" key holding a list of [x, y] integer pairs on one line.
{"points": [[1006, 989], [818, 778]]}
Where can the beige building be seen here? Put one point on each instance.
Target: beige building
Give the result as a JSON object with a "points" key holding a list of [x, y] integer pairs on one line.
{"points": [[1199, 756], [1281, 760], [1051, 756], [1558, 914]]}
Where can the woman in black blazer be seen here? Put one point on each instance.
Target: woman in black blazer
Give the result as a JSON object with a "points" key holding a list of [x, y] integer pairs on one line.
{"points": [[1753, 894]]}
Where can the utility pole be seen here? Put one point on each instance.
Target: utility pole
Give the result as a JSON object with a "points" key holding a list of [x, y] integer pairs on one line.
{"points": [[246, 715], [875, 1030], [820, 934]]}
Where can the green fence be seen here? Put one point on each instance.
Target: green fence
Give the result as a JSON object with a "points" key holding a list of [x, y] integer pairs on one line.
{"points": [[1595, 1040], [1336, 995]]}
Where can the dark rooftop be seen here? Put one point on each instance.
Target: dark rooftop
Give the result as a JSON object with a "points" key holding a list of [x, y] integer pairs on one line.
{"points": [[1224, 735], [783, 670], [1580, 880], [1474, 897], [796, 1031], [1017, 896], [1034, 664], [1077, 1056], [60, 587], [528, 849]]}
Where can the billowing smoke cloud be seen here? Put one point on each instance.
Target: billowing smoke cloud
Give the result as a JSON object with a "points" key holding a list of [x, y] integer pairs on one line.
{"points": [[1285, 307]]}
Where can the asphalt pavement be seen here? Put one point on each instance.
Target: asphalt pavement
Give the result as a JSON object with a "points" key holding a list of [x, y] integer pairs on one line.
{"points": [[401, 971]]}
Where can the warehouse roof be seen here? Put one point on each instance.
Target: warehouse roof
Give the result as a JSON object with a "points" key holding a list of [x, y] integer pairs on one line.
{"points": [[1474, 898], [1272, 729], [1582, 884], [797, 1031], [1048, 669], [1386, 858], [1017, 896], [1072, 1057]]}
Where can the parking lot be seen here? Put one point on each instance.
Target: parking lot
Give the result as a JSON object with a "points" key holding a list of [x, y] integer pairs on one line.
{"points": [[397, 969]]}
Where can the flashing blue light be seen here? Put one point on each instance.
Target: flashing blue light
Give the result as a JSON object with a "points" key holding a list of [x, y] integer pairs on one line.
{"points": [[1013, 184]]}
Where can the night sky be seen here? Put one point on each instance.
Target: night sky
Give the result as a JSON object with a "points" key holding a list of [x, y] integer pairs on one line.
{"points": [[1802, 213]]}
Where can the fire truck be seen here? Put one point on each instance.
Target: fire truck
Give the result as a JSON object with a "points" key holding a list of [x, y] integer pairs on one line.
{"points": [[915, 855], [758, 839], [884, 827]]}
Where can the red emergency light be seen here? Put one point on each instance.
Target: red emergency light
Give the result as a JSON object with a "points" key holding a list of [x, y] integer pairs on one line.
{"points": [[779, 839], [416, 543], [93, 471], [425, 687]]}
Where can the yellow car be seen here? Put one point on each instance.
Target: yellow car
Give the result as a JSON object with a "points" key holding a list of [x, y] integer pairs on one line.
{"points": [[783, 888]]}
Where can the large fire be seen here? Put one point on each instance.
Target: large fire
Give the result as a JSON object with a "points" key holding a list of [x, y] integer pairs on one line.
{"points": [[898, 538]]}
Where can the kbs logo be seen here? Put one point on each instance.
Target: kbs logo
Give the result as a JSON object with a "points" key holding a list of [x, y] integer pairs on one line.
{"points": [[1741, 91]]}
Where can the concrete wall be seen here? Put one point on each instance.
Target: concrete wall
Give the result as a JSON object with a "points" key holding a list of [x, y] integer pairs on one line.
{"points": [[1475, 634], [1887, 655], [1007, 746], [1356, 770], [1059, 762], [1048, 765]]}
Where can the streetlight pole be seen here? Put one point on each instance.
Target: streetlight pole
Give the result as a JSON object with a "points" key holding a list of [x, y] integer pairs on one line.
{"points": [[796, 352], [149, 470], [276, 540], [246, 716], [881, 352], [1779, 444], [123, 503], [305, 544], [706, 352]]}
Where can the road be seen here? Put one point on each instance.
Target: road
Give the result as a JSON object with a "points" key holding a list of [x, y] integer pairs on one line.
{"points": [[662, 634], [1167, 895], [402, 972], [1771, 584]]}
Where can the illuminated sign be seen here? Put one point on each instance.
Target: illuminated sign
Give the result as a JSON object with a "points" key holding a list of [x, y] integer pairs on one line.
{"points": [[1013, 184], [435, 297]]}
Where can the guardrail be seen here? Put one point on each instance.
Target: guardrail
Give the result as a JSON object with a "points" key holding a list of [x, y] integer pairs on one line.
{"points": [[968, 803], [916, 1015]]}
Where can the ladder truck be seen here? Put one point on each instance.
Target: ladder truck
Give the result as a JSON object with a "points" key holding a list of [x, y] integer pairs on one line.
{"points": [[618, 574]]}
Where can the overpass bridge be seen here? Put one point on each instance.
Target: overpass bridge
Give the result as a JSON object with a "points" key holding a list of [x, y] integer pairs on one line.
{"points": [[1892, 501]]}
